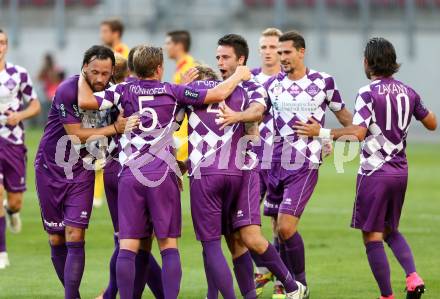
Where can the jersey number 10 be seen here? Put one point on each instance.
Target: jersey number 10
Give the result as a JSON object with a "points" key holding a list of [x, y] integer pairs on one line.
{"points": [[402, 116]]}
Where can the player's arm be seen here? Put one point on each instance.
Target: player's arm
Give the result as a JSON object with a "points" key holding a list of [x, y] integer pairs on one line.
{"points": [[314, 129], [224, 89], [121, 125], [102, 100], [344, 117], [31, 110], [430, 121], [227, 116]]}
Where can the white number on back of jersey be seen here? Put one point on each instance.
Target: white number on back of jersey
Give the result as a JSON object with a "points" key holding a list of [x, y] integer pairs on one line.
{"points": [[147, 112], [402, 120]]}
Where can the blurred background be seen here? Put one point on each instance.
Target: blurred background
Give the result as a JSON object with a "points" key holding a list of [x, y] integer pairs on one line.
{"points": [[57, 32]]}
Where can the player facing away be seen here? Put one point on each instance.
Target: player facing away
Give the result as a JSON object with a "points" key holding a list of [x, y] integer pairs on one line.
{"points": [[296, 93], [270, 66], [148, 192], [64, 170], [383, 113], [18, 102], [148, 270], [232, 52]]}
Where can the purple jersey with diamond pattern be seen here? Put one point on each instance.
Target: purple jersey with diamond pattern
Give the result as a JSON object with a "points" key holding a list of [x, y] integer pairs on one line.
{"points": [[298, 100], [266, 127], [149, 148], [215, 151], [16, 90], [385, 108], [64, 110]]}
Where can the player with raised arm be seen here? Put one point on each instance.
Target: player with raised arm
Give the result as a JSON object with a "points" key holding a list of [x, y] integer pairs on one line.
{"points": [[296, 93], [270, 66], [148, 270], [245, 236], [148, 192], [18, 101], [383, 113], [65, 189]]}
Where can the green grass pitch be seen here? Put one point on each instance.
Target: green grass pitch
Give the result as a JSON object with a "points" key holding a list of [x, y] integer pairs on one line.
{"points": [[336, 264]]}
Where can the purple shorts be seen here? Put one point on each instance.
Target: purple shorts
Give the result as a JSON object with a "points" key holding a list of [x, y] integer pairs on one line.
{"points": [[142, 209], [263, 174], [62, 203], [379, 202], [111, 193], [221, 204], [289, 191], [13, 167]]}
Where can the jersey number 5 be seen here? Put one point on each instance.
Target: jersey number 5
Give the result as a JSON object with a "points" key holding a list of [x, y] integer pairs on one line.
{"points": [[147, 112]]}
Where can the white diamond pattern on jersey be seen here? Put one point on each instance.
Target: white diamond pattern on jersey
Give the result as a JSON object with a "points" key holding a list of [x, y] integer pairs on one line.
{"points": [[15, 91], [210, 138], [376, 148], [299, 100]]}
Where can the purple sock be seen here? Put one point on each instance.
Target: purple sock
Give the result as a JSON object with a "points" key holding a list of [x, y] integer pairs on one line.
{"points": [[171, 272], [217, 268], [125, 273], [244, 273], [402, 251], [272, 261], [212, 289], [379, 266], [147, 272], [283, 255], [153, 277], [2, 234], [58, 255], [74, 269], [112, 288], [296, 258]]}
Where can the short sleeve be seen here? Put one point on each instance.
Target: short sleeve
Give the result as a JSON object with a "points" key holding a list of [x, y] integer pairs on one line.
{"points": [[109, 97], [363, 110], [186, 95], [333, 95], [256, 92], [66, 103], [420, 111], [26, 87]]}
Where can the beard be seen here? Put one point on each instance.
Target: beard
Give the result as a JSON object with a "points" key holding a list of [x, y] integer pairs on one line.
{"points": [[94, 86]]}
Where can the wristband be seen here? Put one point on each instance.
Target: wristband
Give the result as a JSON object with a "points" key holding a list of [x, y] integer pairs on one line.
{"points": [[325, 133]]}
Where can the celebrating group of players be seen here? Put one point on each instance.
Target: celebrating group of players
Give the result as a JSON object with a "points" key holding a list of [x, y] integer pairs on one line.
{"points": [[253, 136]]}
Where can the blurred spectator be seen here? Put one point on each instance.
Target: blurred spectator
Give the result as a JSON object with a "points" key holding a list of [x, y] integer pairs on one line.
{"points": [[50, 76], [111, 36]]}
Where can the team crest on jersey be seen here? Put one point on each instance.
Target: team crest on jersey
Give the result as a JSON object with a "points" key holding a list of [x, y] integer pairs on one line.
{"points": [[312, 90], [295, 90], [10, 84]]}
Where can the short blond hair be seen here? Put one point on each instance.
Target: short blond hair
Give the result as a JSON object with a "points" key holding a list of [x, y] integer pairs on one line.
{"points": [[121, 68], [206, 73], [146, 60], [271, 31]]}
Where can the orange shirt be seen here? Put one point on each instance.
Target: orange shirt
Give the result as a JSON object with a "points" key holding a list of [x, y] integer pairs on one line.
{"points": [[122, 49]]}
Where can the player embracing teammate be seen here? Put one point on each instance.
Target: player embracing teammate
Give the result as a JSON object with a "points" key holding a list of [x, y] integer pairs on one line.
{"points": [[383, 113]]}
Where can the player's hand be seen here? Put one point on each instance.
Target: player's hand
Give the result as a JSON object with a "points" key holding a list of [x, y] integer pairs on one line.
{"points": [[189, 76], [126, 124], [243, 72], [327, 148], [307, 129], [13, 118], [227, 116]]}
